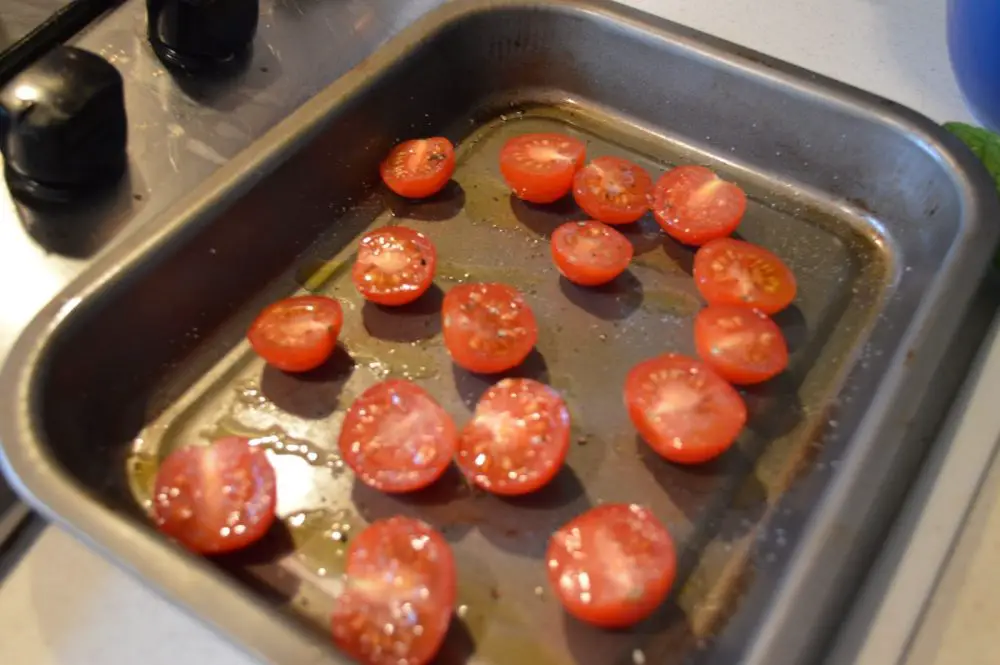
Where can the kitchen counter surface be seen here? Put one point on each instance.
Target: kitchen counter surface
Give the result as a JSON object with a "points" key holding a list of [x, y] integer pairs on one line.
{"points": [[63, 605]]}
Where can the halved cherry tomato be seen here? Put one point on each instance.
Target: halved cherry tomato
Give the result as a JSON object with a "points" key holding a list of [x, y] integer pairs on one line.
{"points": [[395, 265], [539, 167], [590, 253], [488, 328], [743, 345], [398, 596], [419, 168], [733, 272], [297, 334], [517, 439], [396, 437], [694, 205], [612, 190], [215, 499], [613, 565], [683, 409]]}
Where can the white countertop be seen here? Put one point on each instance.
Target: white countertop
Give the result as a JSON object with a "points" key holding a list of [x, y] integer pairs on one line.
{"points": [[63, 605]]}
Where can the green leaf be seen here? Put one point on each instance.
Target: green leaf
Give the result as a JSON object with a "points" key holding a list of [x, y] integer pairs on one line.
{"points": [[983, 143], [986, 146]]}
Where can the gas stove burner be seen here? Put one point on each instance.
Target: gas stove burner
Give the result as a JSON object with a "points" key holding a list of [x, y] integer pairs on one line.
{"points": [[196, 36], [63, 130]]}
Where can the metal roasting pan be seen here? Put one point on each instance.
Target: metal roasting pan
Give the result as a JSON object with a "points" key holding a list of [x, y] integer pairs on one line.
{"points": [[887, 223]]}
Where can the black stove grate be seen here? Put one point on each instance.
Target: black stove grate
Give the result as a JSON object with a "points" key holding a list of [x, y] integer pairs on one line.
{"points": [[64, 22]]}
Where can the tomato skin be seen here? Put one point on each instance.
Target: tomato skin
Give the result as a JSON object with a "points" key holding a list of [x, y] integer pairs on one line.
{"points": [[613, 565], [694, 205], [744, 346], [488, 328], [215, 499], [419, 168], [539, 168], [590, 253], [612, 190], [396, 438], [400, 573], [520, 427], [685, 411], [395, 265], [297, 334], [734, 272]]}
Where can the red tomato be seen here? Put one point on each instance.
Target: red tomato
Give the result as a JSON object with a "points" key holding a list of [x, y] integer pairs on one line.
{"points": [[395, 265], [683, 409], [694, 205], [517, 439], [396, 437], [488, 328], [398, 597], [215, 499], [297, 334], [733, 272], [613, 565], [590, 253], [743, 345], [539, 167], [612, 190], [419, 168]]}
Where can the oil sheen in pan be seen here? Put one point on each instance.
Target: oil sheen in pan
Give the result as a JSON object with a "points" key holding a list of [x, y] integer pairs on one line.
{"points": [[589, 338]]}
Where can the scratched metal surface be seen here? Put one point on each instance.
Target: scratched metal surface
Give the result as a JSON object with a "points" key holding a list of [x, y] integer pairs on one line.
{"points": [[181, 130], [19, 17]]}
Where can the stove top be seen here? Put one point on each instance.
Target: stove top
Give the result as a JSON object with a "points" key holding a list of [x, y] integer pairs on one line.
{"points": [[28, 29], [181, 127]]}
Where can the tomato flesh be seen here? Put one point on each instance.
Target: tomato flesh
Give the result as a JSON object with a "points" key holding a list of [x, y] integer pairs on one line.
{"points": [[517, 439], [590, 253], [612, 190], [395, 265], [683, 409], [396, 438], [613, 565], [398, 596], [744, 346], [488, 328], [419, 168], [539, 168], [734, 272], [215, 499], [297, 334], [694, 205]]}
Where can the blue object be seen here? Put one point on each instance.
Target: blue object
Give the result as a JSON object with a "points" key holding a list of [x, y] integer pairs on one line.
{"points": [[974, 45]]}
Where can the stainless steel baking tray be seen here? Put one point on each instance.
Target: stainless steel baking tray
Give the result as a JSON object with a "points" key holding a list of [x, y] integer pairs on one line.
{"points": [[887, 224]]}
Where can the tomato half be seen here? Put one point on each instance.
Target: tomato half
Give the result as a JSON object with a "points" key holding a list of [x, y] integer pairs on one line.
{"points": [[613, 565], [215, 499], [694, 205], [419, 168], [683, 409], [398, 596], [488, 328], [733, 272], [395, 265], [612, 190], [743, 345], [396, 438], [297, 334], [590, 253], [517, 439], [539, 167]]}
